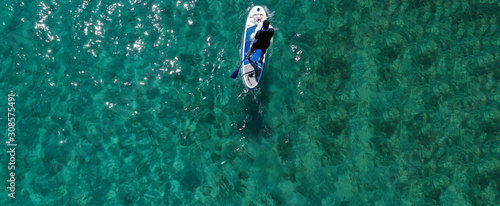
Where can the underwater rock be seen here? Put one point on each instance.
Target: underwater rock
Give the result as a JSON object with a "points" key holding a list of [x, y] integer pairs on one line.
{"points": [[243, 175], [285, 147], [240, 189], [215, 157], [190, 180]]}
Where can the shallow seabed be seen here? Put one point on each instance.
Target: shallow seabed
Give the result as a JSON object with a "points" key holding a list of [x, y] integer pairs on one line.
{"points": [[361, 103]]}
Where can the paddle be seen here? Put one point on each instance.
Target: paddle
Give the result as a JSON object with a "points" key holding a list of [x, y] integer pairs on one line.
{"points": [[235, 73]]}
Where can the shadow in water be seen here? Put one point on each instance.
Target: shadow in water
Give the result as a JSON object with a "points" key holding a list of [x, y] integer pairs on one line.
{"points": [[254, 103]]}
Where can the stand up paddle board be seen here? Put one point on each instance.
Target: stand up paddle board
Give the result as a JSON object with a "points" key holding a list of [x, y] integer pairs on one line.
{"points": [[252, 72]]}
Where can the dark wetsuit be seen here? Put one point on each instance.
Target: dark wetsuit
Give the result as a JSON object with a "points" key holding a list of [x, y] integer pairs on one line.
{"points": [[263, 40]]}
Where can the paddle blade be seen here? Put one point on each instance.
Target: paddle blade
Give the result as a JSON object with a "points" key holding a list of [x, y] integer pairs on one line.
{"points": [[235, 73]]}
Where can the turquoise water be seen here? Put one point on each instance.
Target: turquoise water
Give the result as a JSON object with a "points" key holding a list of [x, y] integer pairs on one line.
{"points": [[361, 103]]}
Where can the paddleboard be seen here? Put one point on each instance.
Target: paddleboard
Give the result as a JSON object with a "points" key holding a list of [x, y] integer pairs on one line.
{"points": [[252, 72]]}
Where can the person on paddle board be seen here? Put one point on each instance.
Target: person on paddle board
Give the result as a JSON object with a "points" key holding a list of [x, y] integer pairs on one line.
{"points": [[262, 40]]}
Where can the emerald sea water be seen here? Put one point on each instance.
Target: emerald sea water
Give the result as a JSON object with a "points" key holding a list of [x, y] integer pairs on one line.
{"points": [[392, 102]]}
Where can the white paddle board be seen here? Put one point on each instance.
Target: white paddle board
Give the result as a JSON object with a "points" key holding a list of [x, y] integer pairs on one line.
{"points": [[252, 72]]}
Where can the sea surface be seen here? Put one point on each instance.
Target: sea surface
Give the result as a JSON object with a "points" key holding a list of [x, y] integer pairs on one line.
{"points": [[361, 103]]}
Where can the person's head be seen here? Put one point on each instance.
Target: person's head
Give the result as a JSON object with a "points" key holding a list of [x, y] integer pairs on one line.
{"points": [[265, 24]]}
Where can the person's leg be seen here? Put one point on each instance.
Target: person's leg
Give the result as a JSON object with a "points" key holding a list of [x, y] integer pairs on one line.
{"points": [[261, 57], [262, 53], [250, 52]]}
